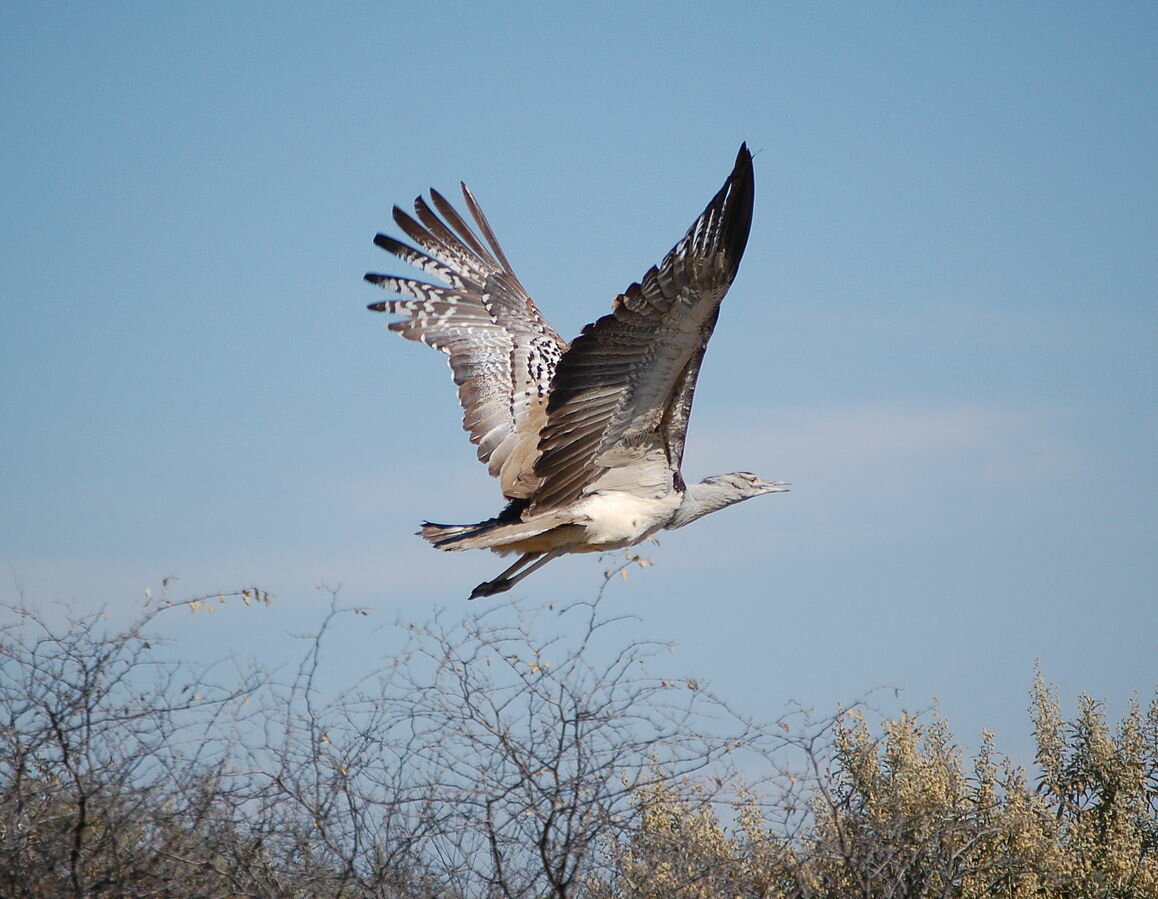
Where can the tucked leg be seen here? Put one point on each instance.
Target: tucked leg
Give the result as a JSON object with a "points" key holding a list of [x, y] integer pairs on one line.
{"points": [[505, 581]]}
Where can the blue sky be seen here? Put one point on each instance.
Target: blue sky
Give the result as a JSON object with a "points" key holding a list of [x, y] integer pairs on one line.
{"points": [[943, 332]]}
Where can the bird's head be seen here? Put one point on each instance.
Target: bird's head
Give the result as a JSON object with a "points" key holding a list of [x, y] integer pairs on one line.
{"points": [[744, 484]]}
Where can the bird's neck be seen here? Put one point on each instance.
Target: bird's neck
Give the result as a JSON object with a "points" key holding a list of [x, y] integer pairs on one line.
{"points": [[700, 499]]}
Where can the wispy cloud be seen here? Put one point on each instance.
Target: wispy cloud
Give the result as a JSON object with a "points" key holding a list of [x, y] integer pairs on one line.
{"points": [[976, 442]]}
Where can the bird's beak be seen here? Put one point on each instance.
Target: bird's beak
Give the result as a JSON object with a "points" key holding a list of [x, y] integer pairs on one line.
{"points": [[773, 486]]}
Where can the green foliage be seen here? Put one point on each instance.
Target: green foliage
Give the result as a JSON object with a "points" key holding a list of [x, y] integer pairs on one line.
{"points": [[900, 814], [1102, 785]]}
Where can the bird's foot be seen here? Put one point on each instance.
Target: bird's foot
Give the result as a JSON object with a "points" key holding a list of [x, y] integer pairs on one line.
{"points": [[490, 588]]}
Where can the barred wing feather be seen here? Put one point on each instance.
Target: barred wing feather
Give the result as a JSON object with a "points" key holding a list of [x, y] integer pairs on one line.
{"points": [[502, 353]]}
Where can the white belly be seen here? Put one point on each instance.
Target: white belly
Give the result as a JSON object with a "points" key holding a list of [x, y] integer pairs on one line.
{"points": [[621, 519]]}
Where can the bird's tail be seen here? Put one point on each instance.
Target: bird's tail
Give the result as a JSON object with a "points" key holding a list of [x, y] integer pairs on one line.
{"points": [[494, 533], [445, 536]]}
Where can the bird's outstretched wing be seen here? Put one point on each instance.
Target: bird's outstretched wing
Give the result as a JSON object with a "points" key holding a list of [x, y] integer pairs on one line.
{"points": [[619, 405], [502, 352]]}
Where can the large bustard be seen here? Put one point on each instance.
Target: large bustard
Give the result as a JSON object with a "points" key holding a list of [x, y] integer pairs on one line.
{"points": [[587, 438]]}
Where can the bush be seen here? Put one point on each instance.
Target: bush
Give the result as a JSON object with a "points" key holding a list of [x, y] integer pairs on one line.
{"points": [[484, 758], [901, 815]]}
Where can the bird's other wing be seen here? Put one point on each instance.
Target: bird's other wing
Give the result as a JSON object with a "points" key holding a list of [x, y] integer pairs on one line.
{"points": [[622, 393], [502, 351]]}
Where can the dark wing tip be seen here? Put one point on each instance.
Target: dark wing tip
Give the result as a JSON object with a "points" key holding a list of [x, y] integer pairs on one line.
{"points": [[743, 177], [381, 305], [738, 196]]}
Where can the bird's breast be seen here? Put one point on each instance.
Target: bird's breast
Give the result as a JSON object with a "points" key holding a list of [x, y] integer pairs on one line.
{"points": [[617, 519]]}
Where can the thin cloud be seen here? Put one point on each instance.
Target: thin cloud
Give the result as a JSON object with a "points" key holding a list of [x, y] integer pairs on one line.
{"points": [[982, 443]]}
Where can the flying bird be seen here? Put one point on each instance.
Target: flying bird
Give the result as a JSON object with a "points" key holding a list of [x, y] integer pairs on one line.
{"points": [[585, 438]]}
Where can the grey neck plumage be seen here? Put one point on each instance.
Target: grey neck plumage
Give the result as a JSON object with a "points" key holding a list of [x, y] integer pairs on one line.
{"points": [[702, 498]]}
